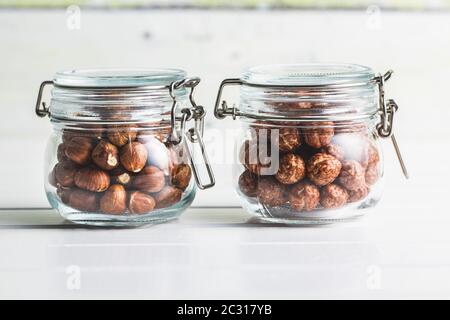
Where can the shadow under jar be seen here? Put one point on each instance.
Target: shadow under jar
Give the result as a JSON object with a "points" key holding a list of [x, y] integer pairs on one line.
{"points": [[119, 153], [309, 149]]}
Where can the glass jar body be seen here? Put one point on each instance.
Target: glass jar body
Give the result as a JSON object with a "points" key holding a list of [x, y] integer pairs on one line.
{"points": [[117, 174], [308, 172]]}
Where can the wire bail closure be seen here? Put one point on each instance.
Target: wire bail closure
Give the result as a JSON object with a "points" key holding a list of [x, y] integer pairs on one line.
{"points": [[388, 109], [42, 110], [193, 135]]}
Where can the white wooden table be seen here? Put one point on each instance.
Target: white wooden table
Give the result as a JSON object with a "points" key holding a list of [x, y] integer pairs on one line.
{"points": [[223, 253]]}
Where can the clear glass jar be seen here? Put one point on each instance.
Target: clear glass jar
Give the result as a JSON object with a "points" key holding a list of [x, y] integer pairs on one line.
{"points": [[309, 148], [119, 153]]}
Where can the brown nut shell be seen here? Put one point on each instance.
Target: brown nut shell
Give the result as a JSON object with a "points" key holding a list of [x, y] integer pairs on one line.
{"points": [[52, 178], [83, 200], [271, 192], [358, 194], [335, 150], [373, 155], [105, 155], [150, 179], [248, 183], [304, 196], [352, 175], [79, 149], [372, 175], [64, 194], [61, 152], [133, 156], [181, 176], [167, 197], [140, 203], [121, 136], [114, 200], [318, 134], [255, 155], [65, 173], [120, 176], [158, 154], [288, 139], [323, 168], [291, 169], [354, 146], [333, 196], [92, 179]]}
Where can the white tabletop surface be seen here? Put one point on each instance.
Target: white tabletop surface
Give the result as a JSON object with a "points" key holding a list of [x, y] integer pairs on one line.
{"points": [[222, 253]]}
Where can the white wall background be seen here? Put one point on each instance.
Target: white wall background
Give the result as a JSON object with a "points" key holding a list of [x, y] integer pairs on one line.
{"points": [[219, 44]]}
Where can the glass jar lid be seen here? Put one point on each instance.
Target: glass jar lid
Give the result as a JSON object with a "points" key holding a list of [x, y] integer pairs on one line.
{"points": [[117, 78], [308, 92], [313, 74], [116, 95]]}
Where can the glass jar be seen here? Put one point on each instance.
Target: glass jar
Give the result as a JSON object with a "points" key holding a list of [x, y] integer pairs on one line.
{"points": [[119, 154], [309, 149]]}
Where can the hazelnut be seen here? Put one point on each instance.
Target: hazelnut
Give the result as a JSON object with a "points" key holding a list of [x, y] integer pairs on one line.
{"points": [[114, 200], [318, 134], [323, 168], [94, 131], [140, 203], [353, 145], [105, 155], [304, 196], [333, 196], [255, 156], [121, 136], [65, 173], [120, 176], [61, 152], [177, 155], [352, 175], [271, 192], [67, 136], [248, 183], [79, 150], [83, 200], [291, 169], [373, 155], [133, 156], [167, 197], [288, 139], [150, 179], [372, 174], [335, 150], [181, 176], [358, 194], [158, 154], [52, 178], [92, 179], [64, 194]]}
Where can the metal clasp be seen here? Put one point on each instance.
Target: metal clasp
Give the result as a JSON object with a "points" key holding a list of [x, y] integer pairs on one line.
{"points": [[195, 134], [387, 112], [44, 110], [221, 109]]}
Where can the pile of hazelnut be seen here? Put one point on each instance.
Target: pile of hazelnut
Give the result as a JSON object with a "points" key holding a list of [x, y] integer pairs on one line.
{"points": [[319, 165], [119, 170]]}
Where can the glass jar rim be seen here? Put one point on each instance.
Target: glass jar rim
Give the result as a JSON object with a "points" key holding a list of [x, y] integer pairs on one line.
{"points": [[118, 78], [308, 74]]}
